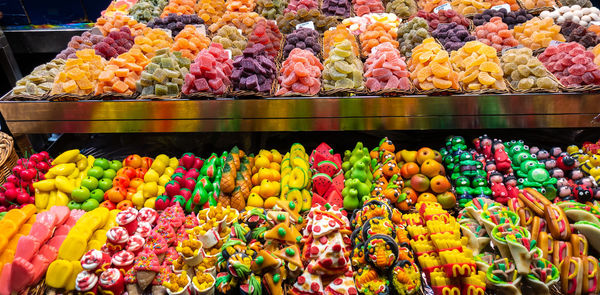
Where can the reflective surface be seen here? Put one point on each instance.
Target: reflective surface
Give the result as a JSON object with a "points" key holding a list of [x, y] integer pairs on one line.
{"points": [[306, 114]]}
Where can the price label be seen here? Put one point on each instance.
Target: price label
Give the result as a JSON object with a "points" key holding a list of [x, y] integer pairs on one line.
{"points": [[498, 7], [309, 25], [201, 29], [332, 28], [445, 6], [595, 22], [240, 30], [515, 47], [228, 53], [555, 43]]}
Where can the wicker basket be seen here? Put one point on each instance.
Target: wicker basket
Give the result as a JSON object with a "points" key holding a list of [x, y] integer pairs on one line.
{"points": [[8, 156]]}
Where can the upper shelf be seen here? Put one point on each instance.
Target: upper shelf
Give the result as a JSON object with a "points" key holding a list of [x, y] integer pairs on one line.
{"points": [[306, 114]]}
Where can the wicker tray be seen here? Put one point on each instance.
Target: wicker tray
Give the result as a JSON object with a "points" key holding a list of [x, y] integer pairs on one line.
{"points": [[8, 156]]}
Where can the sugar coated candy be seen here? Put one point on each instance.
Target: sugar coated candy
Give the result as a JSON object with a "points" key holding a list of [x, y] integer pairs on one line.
{"points": [[108, 23], [582, 16], [377, 33], [302, 38], [231, 39], [467, 7], [411, 34], [40, 80], [443, 17], [240, 5], [524, 71], [478, 67], [430, 67], [336, 7], [267, 33], [386, 69], [575, 32], [209, 72], [402, 8], [495, 33], [270, 9], [179, 7], [120, 73], [339, 34], [86, 41], [288, 22], [80, 75], [452, 36], [572, 64], [144, 11], [115, 43], [164, 75], [175, 22], [254, 70], [342, 68], [362, 7], [189, 42], [151, 41], [537, 33], [300, 73], [295, 5], [243, 21], [510, 18]]}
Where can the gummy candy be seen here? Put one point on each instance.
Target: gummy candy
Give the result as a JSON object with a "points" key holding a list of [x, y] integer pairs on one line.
{"points": [[189, 42], [244, 21], [495, 33], [270, 9], [179, 7], [209, 72], [466, 7], [117, 42], [121, 73], [288, 22], [420, 67], [511, 18], [145, 10], [342, 58], [476, 59], [303, 38], [386, 69], [151, 41], [164, 75], [362, 7], [210, 10], [175, 22], [336, 7], [300, 73], [79, 75], [115, 22], [402, 8], [231, 39], [240, 5], [295, 5], [40, 80], [336, 35], [537, 33], [411, 34], [376, 34], [266, 33], [255, 70], [85, 41], [452, 36]]}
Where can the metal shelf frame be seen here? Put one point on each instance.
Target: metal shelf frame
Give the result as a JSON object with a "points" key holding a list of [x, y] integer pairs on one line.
{"points": [[305, 114]]}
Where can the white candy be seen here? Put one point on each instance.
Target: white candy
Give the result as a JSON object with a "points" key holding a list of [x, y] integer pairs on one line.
{"points": [[586, 10], [575, 19], [595, 16], [568, 15], [586, 18], [575, 7], [564, 9], [583, 23], [595, 10], [545, 14], [560, 20], [578, 13]]}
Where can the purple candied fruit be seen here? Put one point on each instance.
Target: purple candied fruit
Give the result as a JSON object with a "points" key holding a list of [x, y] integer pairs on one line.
{"points": [[588, 78], [252, 83]]}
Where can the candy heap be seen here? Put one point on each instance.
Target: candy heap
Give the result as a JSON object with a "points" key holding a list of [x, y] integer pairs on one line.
{"points": [[514, 6], [288, 22], [242, 21], [377, 33], [495, 33], [121, 73], [362, 7], [576, 14], [295, 5], [411, 34], [524, 71], [300, 73], [296, 178], [511, 18], [270, 9], [86, 41], [466, 7], [537, 33], [267, 34], [571, 64], [430, 5], [385, 69], [336, 7], [478, 66], [189, 42], [430, 67], [302, 38], [179, 7], [174, 22], [452, 36], [402, 8], [231, 39], [443, 17], [79, 75], [40, 80], [342, 68], [577, 33], [109, 23], [358, 24], [115, 43], [144, 11], [254, 70], [209, 72], [210, 10], [339, 34], [151, 41], [240, 5], [164, 75], [532, 4]]}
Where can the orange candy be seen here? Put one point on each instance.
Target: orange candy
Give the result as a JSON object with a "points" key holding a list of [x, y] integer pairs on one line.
{"points": [[240, 5], [337, 35], [430, 67], [242, 20], [121, 73], [466, 7], [478, 66], [80, 74], [179, 7], [537, 33], [531, 4], [152, 40], [109, 23], [189, 42], [210, 10], [596, 52], [376, 34], [429, 5], [495, 33], [595, 29]]}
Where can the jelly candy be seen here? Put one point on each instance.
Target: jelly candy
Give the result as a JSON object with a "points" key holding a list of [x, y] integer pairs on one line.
{"points": [[303, 38], [376, 34], [270, 9], [537, 33], [342, 69], [255, 70], [478, 66], [511, 18], [244, 21], [108, 23], [452, 36], [495, 33], [164, 75], [151, 41], [421, 71], [231, 39], [336, 7], [179, 7], [411, 34], [362, 7], [121, 73], [402, 8], [288, 22], [300, 73], [85, 41], [466, 7], [40, 80], [189, 42], [209, 72], [175, 22], [210, 10], [337, 35], [79, 75], [266, 33], [145, 10], [115, 43], [385, 69]]}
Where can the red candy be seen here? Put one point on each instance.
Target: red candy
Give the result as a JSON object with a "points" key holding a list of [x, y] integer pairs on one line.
{"points": [[386, 69], [266, 33], [572, 65], [301, 73], [210, 71], [295, 5], [362, 7], [495, 33]]}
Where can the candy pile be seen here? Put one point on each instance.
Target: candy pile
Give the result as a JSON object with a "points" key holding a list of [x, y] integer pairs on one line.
{"points": [[411, 34], [496, 34], [478, 66], [362, 7], [339, 34], [575, 13], [342, 68], [145, 10], [107, 24], [300, 73], [40, 80], [295, 5], [514, 6], [240, 5], [524, 71], [79, 75], [537, 33], [85, 41], [174, 22], [209, 72], [115, 43], [302, 38], [231, 39], [288, 22], [358, 24], [581, 3], [385, 69], [179, 7], [121, 73], [270, 9], [452, 36], [189, 42], [466, 7], [571, 64], [266, 33], [402, 8], [511, 18], [430, 67], [242, 21], [336, 7], [254, 70], [210, 10], [578, 33], [443, 17], [532, 4], [151, 41], [163, 76], [377, 33], [430, 5]]}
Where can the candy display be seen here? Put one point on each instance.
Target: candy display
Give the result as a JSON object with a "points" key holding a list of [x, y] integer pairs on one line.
{"points": [[189, 42], [40, 80], [79, 75], [342, 69], [151, 41], [443, 17], [430, 67], [87, 40], [571, 64], [377, 33], [578, 33], [164, 75], [411, 34], [402, 8], [339, 34], [523, 71], [466, 7], [270, 9], [478, 67], [576, 14], [300, 73], [244, 21], [267, 34], [386, 69], [295, 5], [336, 7], [495, 33], [145, 10], [210, 11], [510, 18], [290, 20], [209, 72], [452, 36], [179, 7], [254, 70]]}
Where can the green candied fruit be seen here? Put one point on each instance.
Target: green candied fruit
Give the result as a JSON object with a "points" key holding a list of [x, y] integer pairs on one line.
{"points": [[509, 68], [156, 60], [177, 81], [525, 83], [523, 70], [546, 83], [340, 52], [172, 88], [521, 59], [160, 89], [335, 75], [357, 77], [163, 51], [148, 90], [342, 67], [177, 53], [172, 73], [159, 75], [344, 83], [150, 68], [167, 63], [539, 71], [515, 76]]}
